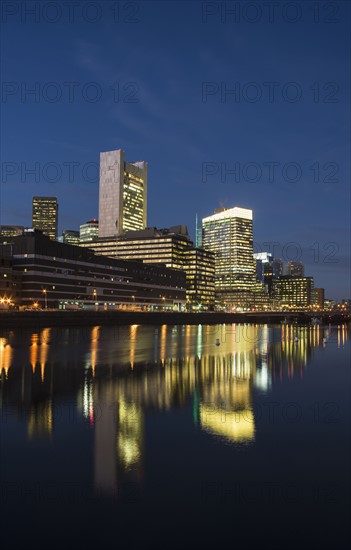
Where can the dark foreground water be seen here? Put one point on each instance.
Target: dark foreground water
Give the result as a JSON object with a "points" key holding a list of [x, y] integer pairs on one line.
{"points": [[156, 437]]}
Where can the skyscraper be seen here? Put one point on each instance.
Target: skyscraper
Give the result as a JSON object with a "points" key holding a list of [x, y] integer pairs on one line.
{"points": [[45, 215], [70, 236], [88, 231], [261, 258], [228, 234], [295, 269], [122, 194]]}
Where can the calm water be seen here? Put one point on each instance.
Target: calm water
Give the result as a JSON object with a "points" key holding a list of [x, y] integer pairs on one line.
{"points": [[156, 437]]}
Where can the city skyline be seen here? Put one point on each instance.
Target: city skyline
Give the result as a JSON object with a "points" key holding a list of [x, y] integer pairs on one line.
{"points": [[175, 290], [238, 215], [239, 235], [197, 135]]}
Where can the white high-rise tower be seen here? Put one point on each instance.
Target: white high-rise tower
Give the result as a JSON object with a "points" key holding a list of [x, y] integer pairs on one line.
{"points": [[122, 194]]}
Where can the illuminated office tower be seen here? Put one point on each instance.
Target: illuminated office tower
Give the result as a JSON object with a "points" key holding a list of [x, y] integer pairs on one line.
{"points": [[45, 215], [122, 194], [199, 267], [88, 231], [293, 291], [70, 236], [261, 259], [228, 233], [173, 248]]}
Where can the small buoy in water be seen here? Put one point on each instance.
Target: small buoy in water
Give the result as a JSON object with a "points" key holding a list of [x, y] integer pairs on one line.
{"points": [[324, 340], [217, 342]]}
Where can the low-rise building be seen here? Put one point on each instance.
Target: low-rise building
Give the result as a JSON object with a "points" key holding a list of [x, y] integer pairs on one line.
{"points": [[11, 230], [55, 274], [9, 281]]}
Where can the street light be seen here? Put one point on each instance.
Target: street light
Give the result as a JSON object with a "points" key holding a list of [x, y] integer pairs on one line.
{"points": [[95, 298], [45, 297]]}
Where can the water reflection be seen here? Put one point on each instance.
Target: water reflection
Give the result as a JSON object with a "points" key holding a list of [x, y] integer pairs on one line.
{"points": [[5, 356], [117, 376]]}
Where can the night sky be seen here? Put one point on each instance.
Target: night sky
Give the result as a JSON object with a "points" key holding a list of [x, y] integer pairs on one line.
{"points": [[196, 92]]}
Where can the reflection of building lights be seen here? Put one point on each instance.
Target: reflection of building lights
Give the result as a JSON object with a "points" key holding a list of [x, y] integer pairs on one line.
{"points": [[133, 340], [129, 436], [34, 350], [262, 378], [88, 400], [5, 356], [94, 347], [236, 426], [187, 340], [44, 350], [199, 341], [163, 342], [40, 420]]}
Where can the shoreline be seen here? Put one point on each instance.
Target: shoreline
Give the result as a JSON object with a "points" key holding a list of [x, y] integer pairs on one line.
{"points": [[24, 319]]}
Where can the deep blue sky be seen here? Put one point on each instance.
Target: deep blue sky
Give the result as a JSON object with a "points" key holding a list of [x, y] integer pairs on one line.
{"points": [[169, 50]]}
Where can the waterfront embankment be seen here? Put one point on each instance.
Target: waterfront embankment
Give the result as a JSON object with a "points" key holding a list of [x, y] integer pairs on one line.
{"points": [[12, 319]]}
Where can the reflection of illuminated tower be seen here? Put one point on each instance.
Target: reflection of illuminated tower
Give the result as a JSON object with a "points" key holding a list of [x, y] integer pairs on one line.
{"points": [[105, 448], [118, 439], [130, 434], [5, 356], [226, 406], [40, 420]]}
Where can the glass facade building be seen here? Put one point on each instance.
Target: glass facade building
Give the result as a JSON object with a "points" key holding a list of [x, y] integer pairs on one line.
{"points": [[122, 194], [261, 258], [171, 247], [229, 235], [45, 215], [158, 246], [70, 236], [294, 292], [199, 267], [88, 231]]}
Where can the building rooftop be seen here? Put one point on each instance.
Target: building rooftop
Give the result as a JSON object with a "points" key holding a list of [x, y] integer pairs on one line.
{"points": [[236, 212], [152, 232]]}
